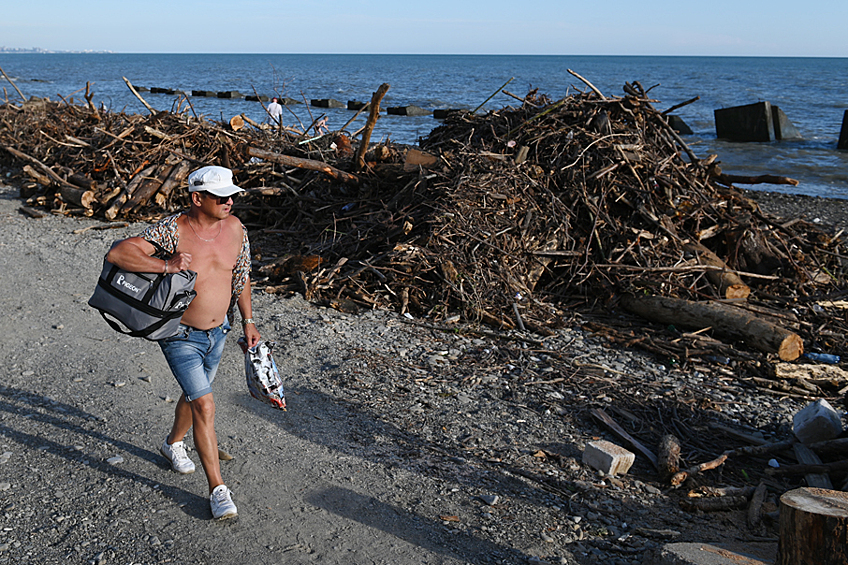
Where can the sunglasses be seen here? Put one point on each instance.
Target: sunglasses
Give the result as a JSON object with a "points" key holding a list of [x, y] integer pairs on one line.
{"points": [[221, 199]]}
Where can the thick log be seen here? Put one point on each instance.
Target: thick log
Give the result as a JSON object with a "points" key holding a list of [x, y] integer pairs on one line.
{"points": [[82, 181], [148, 187], [81, 197], [115, 206], [175, 179], [813, 527], [727, 282], [727, 320], [373, 114], [310, 164]]}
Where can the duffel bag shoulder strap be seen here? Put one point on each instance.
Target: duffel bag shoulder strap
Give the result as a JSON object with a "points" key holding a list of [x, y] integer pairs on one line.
{"points": [[143, 332]]}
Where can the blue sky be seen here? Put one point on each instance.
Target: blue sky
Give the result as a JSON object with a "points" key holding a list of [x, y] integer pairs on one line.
{"points": [[556, 27]]}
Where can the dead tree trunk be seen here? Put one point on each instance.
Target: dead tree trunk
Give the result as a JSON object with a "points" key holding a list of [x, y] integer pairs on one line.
{"points": [[724, 319], [373, 114], [309, 164], [813, 527]]}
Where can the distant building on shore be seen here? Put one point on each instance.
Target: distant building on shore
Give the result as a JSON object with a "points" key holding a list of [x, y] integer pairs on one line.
{"points": [[4, 49]]}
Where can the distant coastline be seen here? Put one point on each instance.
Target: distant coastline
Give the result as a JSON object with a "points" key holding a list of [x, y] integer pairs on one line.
{"points": [[19, 50]]}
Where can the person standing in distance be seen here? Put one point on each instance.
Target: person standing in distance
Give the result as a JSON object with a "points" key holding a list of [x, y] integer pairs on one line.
{"points": [[213, 243], [275, 112]]}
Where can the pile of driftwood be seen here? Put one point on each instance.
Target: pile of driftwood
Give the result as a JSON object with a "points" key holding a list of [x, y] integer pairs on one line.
{"points": [[515, 218]]}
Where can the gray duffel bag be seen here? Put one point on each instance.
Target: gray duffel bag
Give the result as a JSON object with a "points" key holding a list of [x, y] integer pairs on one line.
{"points": [[148, 305]]}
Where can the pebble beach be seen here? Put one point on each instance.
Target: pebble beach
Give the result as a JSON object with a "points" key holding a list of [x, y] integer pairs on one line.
{"points": [[404, 442]]}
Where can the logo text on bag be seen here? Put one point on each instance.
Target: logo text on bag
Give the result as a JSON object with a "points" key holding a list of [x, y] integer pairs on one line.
{"points": [[124, 283]]}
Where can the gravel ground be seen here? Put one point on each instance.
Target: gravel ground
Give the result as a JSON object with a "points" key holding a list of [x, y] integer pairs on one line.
{"points": [[402, 443]]}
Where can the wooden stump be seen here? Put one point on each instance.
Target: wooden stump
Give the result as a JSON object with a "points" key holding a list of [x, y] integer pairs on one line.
{"points": [[813, 527]]}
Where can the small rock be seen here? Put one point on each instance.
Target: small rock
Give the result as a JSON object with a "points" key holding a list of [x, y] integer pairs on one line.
{"points": [[5, 486], [146, 379], [490, 499], [115, 460]]}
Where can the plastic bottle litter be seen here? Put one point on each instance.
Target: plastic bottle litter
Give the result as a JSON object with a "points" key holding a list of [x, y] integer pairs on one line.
{"points": [[822, 357]]}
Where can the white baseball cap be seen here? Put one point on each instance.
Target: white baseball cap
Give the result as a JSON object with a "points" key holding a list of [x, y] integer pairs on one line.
{"points": [[214, 180]]}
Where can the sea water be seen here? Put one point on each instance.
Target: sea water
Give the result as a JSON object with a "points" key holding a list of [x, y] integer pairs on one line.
{"points": [[811, 91]]}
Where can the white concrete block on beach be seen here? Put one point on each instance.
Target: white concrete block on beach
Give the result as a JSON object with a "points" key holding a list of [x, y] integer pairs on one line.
{"points": [[818, 421], [608, 457]]}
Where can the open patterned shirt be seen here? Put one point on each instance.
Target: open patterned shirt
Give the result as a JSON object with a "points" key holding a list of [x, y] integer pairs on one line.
{"points": [[166, 234]]}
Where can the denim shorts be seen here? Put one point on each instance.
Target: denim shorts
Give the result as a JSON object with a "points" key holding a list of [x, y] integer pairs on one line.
{"points": [[194, 356]]}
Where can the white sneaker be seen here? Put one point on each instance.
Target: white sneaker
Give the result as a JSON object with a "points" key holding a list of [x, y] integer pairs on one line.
{"points": [[222, 503], [176, 454]]}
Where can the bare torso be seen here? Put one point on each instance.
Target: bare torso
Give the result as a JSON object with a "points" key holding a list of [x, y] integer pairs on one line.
{"points": [[213, 261]]}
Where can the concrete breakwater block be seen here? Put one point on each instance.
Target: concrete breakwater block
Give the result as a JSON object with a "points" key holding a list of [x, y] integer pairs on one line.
{"points": [[410, 110], [286, 101], [230, 94], [784, 130], [254, 98], [678, 125], [160, 90], [818, 421], [326, 103], [745, 123], [754, 122], [204, 93], [608, 457], [442, 113], [141, 88], [356, 105], [843, 135]]}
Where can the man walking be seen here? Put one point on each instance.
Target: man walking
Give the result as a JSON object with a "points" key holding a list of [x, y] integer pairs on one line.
{"points": [[211, 242]]}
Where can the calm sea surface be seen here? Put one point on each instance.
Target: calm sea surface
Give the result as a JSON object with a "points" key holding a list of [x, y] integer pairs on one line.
{"points": [[812, 92]]}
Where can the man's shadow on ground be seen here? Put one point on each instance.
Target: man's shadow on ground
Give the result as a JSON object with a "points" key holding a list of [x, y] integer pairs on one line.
{"points": [[53, 414]]}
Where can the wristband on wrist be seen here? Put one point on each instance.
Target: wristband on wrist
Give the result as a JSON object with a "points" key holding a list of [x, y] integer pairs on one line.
{"points": [[166, 267], [246, 321]]}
